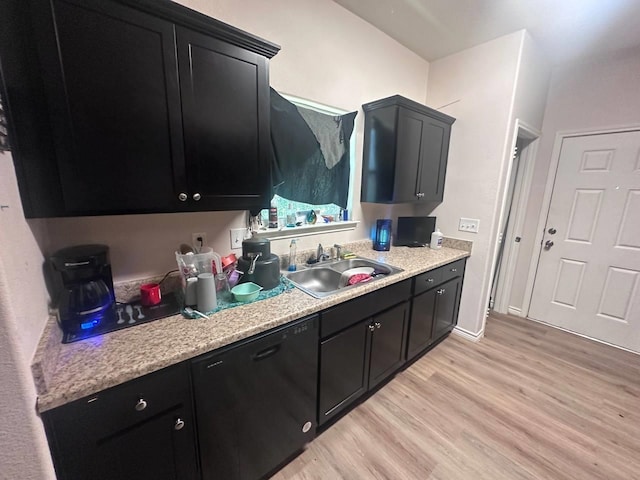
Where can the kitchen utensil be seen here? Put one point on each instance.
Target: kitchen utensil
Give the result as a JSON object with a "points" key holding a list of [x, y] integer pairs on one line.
{"points": [[150, 294], [191, 292], [246, 292], [191, 311], [223, 291], [207, 300], [228, 261]]}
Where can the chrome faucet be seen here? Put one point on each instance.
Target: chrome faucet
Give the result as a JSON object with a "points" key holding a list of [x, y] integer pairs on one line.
{"points": [[338, 251], [320, 255]]}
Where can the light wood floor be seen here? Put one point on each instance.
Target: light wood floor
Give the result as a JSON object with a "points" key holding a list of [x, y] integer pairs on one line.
{"points": [[527, 402]]}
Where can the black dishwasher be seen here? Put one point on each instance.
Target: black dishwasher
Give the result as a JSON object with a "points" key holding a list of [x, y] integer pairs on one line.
{"points": [[256, 401]]}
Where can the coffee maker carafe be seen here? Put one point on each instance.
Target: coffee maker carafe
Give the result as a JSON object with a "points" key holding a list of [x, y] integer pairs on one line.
{"points": [[86, 297]]}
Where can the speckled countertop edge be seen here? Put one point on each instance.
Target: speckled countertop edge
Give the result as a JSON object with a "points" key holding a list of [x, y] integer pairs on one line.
{"points": [[63, 373]]}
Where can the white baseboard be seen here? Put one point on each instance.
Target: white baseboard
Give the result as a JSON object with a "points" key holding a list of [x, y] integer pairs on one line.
{"points": [[467, 335], [515, 311]]}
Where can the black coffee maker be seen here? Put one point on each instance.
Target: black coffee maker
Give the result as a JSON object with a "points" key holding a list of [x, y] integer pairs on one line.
{"points": [[85, 298]]}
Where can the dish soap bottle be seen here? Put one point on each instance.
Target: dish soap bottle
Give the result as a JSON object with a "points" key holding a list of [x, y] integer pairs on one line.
{"points": [[436, 239], [292, 256]]}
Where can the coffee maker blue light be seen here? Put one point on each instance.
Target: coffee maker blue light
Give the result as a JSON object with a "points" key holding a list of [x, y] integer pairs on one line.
{"points": [[382, 240]]}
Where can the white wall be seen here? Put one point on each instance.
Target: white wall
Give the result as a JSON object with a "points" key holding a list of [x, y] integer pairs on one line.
{"points": [[329, 56], [478, 85], [592, 94], [23, 311]]}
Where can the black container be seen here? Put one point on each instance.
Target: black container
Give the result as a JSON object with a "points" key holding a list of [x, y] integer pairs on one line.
{"points": [[86, 297], [256, 245], [382, 240]]}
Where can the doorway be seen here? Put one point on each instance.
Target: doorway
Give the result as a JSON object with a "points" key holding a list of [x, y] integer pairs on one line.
{"points": [[588, 272], [512, 224]]}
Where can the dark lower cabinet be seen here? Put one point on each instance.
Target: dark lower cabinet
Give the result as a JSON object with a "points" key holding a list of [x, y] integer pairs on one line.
{"points": [[143, 429], [434, 311], [359, 358], [421, 329]]}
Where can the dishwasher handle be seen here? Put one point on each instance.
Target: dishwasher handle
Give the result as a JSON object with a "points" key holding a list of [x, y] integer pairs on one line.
{"points": [[266, 353]]}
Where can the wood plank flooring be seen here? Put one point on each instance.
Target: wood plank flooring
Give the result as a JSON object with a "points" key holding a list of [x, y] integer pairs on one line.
{"points": [[527, 402]]}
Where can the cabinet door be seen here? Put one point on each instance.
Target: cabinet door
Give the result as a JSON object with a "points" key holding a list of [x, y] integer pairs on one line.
{"points": [[114, 105], [388, 343], [225, 105], [422, 317], [433, 159], [409, 153], [343, 369], [446, 311]]}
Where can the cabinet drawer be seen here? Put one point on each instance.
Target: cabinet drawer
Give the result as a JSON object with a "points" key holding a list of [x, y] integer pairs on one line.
{"points": [[125, 405], [453, 270], [427, 280], [347, 314]]}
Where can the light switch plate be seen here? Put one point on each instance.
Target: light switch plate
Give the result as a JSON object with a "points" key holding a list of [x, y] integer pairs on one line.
{"points": [[471, 225], [237, 236]]}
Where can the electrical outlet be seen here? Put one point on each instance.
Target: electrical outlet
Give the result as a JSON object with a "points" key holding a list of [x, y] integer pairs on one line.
{"points": [[198, 240], [237, 236], [471, 225]]}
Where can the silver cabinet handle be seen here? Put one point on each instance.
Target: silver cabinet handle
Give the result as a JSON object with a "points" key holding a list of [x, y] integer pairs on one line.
{"points": [[141, 405], [420, 195], [429, 280], [454, 269], [377, 324], [179, 424], [441, 291], [371, 328], [182, 197], [197, 196]]}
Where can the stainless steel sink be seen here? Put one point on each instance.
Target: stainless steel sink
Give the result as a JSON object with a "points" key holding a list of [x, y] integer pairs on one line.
{"points": [[327, 278]]}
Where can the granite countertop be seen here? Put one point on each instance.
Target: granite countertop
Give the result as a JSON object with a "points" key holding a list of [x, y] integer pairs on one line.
{"points": [[63, 373]]}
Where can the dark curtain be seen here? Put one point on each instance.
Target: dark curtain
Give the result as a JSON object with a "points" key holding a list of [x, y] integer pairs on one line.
{"points": [[311, 153]]}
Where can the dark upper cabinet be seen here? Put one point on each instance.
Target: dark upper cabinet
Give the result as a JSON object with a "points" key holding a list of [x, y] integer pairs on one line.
{"points": [[143, 107], [225, 108], [142, 429], [405, 152]]}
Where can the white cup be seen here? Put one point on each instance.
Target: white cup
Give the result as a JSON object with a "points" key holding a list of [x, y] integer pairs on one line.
{"points": [[207, 300]]}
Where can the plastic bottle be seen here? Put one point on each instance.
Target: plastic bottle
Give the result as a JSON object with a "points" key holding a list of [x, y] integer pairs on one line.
{"points": [[436, 239], [273, 216], [292, 256]]}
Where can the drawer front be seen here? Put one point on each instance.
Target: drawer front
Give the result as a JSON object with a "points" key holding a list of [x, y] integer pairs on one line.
{"points": [[427, 280], [342, 316], [125, 405], [453, 270]]}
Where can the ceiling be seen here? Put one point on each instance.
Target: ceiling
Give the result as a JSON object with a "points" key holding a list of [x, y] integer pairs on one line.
{"points": [[564, 29]]}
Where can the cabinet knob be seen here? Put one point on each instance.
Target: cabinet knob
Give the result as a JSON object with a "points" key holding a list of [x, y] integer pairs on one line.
{"points": [[197, 196], [182, 197], [440, 291], [429, 280], [179, 424], [371, 328], [377, 324], [141, 405], [454, 269], [420, 195]]}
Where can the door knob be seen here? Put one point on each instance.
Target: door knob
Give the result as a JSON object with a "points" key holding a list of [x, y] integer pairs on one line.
{"points": [[179, 425], [196, 196], [141, 405], [548, 244], [441, 291], [552, 231], [371, 328], [377, 324], [182, 197], [420, 195]]}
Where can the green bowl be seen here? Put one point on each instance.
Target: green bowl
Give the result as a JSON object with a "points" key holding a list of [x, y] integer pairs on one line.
{"points": [[246, 292]]}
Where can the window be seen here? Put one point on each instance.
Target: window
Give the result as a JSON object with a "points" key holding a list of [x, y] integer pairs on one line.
{"points": [[297, 211]]}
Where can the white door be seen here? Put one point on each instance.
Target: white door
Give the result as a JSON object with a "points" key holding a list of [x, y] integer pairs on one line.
{"points": [[588, 278]]}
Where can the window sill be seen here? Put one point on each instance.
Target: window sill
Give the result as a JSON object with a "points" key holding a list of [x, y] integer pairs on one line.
{"points": [[306, 230]]}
